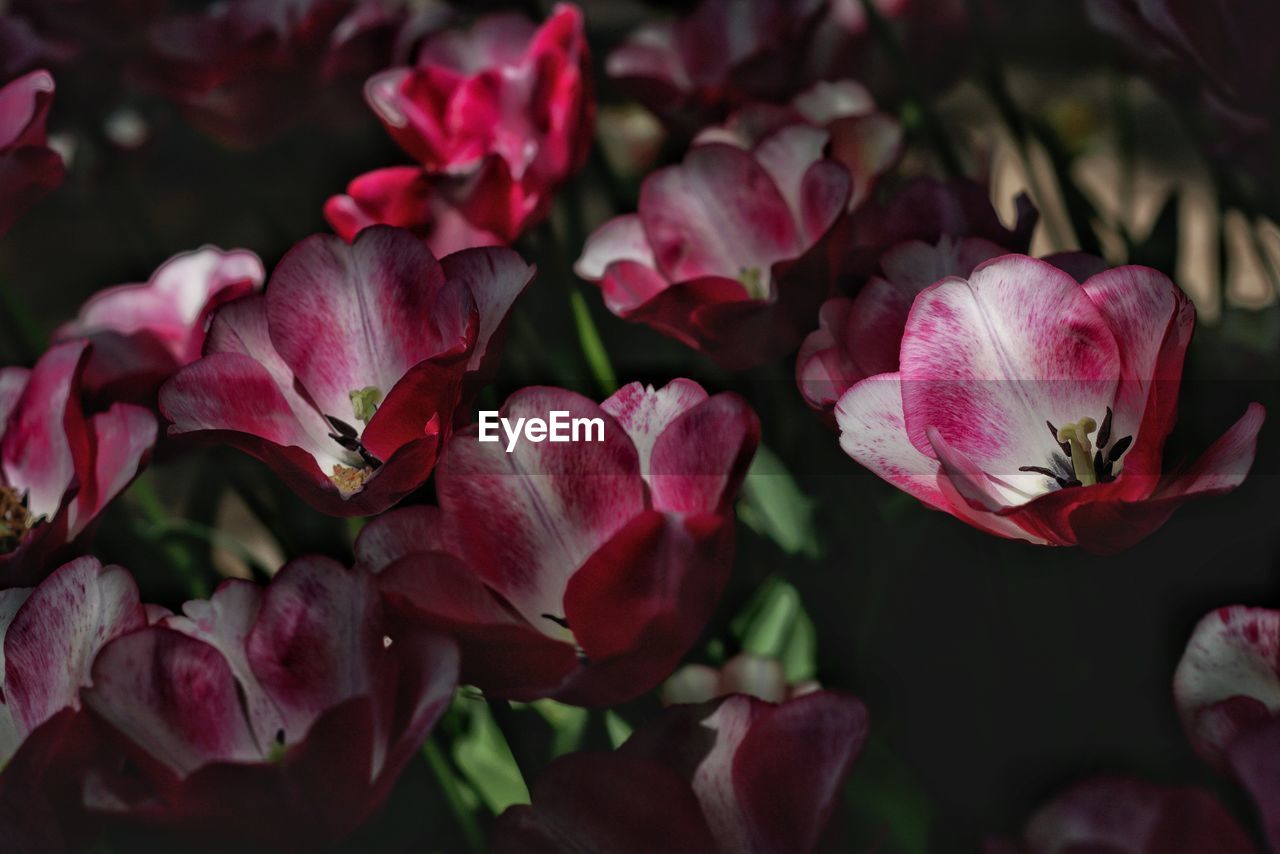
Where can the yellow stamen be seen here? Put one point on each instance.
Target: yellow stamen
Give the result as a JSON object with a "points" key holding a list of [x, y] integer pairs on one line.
{"points": [[14, 519], [1077, 436], [350, 480]]}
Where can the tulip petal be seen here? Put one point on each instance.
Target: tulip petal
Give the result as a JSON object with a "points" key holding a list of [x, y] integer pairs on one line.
{"points": [[620, 239], [1253, 759], [989, 360], [123, 437], [345, 318], [645, 412], [718, 213], [174, 697], [45, 447], [698, 463], [1229, 678], [495, 276], [528, 519]]}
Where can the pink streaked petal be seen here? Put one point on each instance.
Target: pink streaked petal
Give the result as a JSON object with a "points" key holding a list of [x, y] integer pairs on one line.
{"points": [[975, 496], [1229, 677], [989, 360], [46, 445], [232, 392], [825, 369], [628, 286], [348, 317], [224, 621], [123, 438], [644, 412], [51, 643], [172, 696], [316, 641], [868, 146], [1152, 319], [873, 432], [495, 276], [1226, 463], [698, 462], [241, 327], [530, 518], [719, 213], [620, 239], [24, 109]]}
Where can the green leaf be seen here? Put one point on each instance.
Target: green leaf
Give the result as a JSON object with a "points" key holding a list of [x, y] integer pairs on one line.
{"points": [[774, 507], [568, 723], [887, 805], [485, 759], [618, 729], [775, 625]]}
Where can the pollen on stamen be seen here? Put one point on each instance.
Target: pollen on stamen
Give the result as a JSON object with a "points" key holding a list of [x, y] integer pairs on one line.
{"points": [[15, 519], [350, 480]]}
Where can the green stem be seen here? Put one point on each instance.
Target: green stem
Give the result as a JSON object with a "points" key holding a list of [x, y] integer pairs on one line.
{"points": [[592, 345], [452, 788], [146, 500]]}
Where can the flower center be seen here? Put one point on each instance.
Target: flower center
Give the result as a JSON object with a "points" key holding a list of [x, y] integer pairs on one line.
{"points": [[15, 519], [1081, 463], [348, 479], [752, 278], [364, 402]]}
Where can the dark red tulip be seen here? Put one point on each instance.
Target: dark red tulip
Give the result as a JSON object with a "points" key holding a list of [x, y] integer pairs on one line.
{"points": [[278, 715], [737, 775], [29, 169]]}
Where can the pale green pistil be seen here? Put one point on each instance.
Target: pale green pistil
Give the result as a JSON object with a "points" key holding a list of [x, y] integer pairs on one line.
{"points": [[365, 402], [752, 279], [1077, 436]]}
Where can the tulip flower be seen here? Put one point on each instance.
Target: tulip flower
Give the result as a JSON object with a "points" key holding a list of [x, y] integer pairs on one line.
{"points": [[580, 570], [29, 169], [1035, 407], [50, 636], [345, 375], [281, 714], [1227, 690], [246, 71], [58, 467], [498, 118], [727, 251], [726, 53], [739, 775], [143, 333], [1123, 816]]}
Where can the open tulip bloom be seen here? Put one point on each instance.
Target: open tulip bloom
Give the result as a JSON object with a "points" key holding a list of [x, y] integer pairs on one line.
{"points": [[345, 375], [58, 466], [1035, 407], [578, 570]]}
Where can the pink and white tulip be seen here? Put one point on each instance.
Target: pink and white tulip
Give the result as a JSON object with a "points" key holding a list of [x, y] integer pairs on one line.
{"points": [[1035, 407], [49, 638], [142, 333], [59, 467], [727, 252], [279, 715], [345, 376], [577, 570]]}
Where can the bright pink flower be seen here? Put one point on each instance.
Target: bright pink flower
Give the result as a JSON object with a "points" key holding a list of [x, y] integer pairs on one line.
{"points": [[50, 636], [246, 71], [505, 110], [581, 570], [1124, 816], [58, 467], [29, 169], [862, 138], [450, 213], [1009, 379], [143, 333], [281, 714], [727, 251], [740, 775], [345, 375]]}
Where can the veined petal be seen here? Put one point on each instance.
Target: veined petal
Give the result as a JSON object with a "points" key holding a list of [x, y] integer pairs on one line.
{"points": [[495, 276], [644, 412], [620, 239], [123, 437]]}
